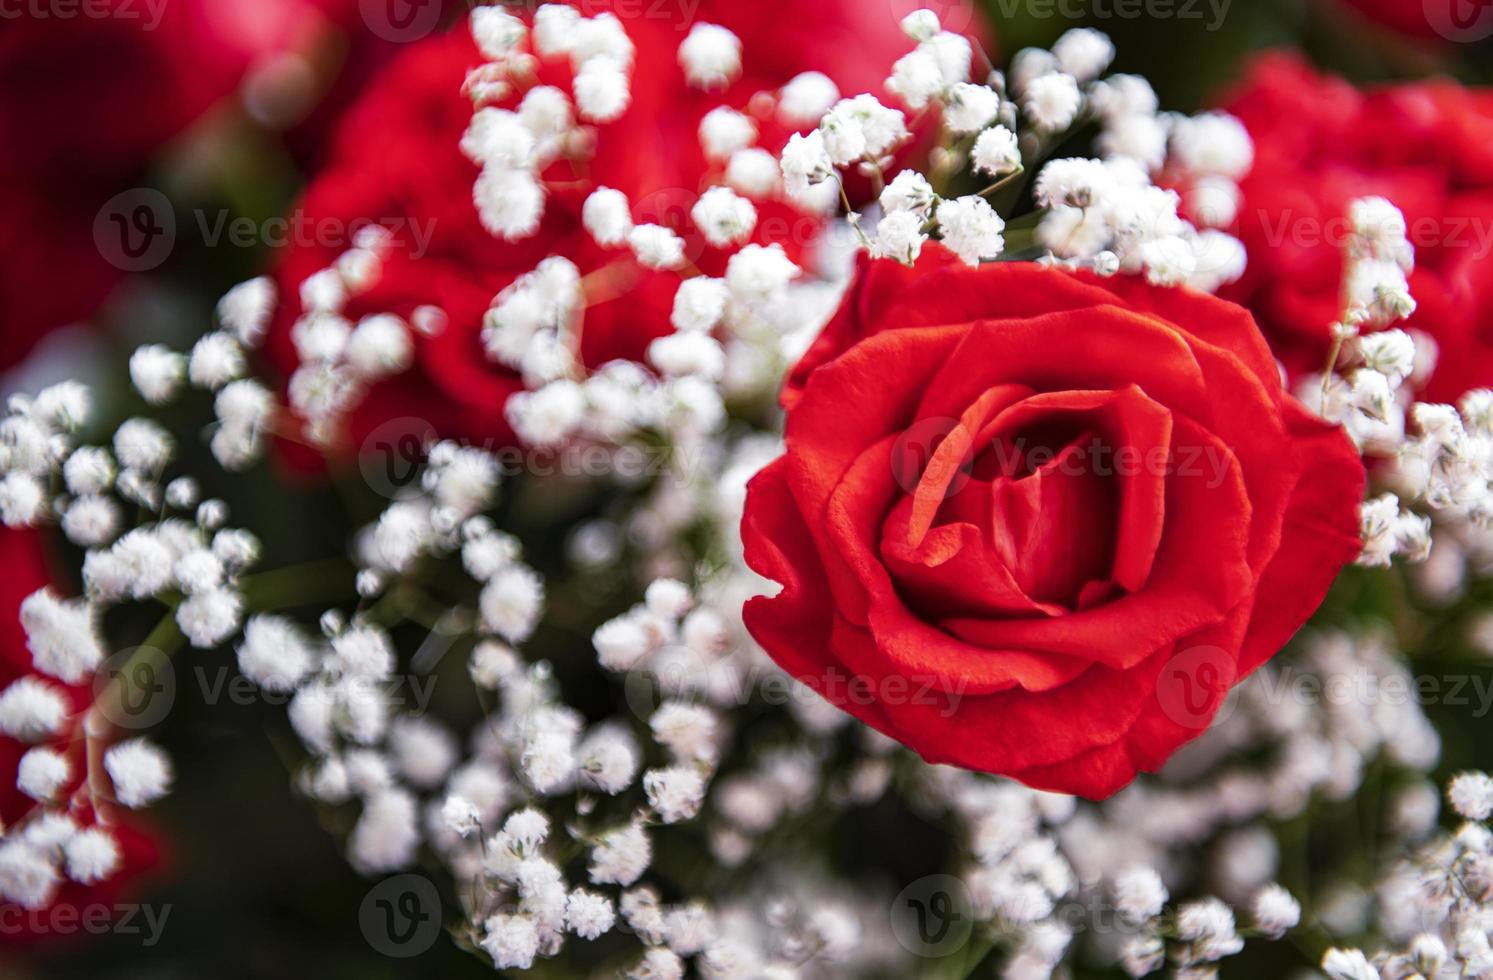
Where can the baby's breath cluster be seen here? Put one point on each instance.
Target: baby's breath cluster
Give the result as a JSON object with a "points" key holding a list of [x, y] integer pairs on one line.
{"points": [[1435, 461], [1117, 212], [148, 540], [1434, 903]]}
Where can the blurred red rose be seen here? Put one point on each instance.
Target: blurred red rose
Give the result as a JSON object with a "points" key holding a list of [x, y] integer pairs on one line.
{"points": [[23, 556], [1405, 16], [87, 103], [1319, 144], [1064, 517], [396, 160]]}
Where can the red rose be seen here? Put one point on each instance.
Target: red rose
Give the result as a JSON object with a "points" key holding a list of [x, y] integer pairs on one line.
{"points": [[1039, 524], [1319, 144], [23, 556], [396, 160]]}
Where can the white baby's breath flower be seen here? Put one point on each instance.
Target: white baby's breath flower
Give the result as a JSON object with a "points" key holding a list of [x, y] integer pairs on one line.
{"points": [[908, 191], [274, 654], [588, 914], [758, 273], [91, 856], [554, 26], [899, 236], [143, 445], [462, 816], [972, 229], [1052, 102], [512, 603], [917, 77], [499, 138], [245, 311], [387, 834], [1471, 795], [608, 760], [724, 218], [1140, 894], [216, 360], [209, 618], [31, 709], [423, 750], [1275, 911], [699, 304], [512, 941], [23, 500], [621, 857], [1169, 261], [710, 56], [971, 108], [61, 637], [140, 772], [806, 98], [688, 731], [674, 793], [42, 773], [861, 127], [363, 652], [725, 131], [656, 247], [549, 416], [753, 172], [1348, 964], [509, 202], [1084, 53], [806, 160], [28, 877], [622, 643], [380, 346], [996, 152], [1213, 144], [688, 354], [496, 31], [157, 372], [921, 25], [602, 92], [548, 762]]}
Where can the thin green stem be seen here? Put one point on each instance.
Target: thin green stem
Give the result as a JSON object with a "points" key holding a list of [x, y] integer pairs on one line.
{"points": [[1002, 182]]}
